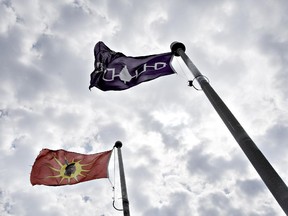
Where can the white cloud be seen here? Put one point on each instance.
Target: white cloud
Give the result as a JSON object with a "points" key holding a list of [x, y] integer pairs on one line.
{"points": [[179, 157]]}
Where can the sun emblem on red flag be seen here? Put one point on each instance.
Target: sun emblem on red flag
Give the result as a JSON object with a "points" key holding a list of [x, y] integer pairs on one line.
{"points": [[69, 170], [60, 167]]}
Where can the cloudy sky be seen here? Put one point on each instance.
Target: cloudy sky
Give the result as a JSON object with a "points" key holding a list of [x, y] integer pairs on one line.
{"points": [[179, 157]]}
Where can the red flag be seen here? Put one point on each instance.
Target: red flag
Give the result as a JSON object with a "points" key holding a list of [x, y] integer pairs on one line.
{"points": [[60, 167]]}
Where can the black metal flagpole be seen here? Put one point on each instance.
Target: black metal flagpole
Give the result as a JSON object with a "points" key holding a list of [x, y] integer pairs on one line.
{"points": [[125, 201], [270, 177]]}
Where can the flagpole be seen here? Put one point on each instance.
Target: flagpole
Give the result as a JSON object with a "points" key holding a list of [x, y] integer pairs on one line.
{"points": [[125, 201], [270, 177]]}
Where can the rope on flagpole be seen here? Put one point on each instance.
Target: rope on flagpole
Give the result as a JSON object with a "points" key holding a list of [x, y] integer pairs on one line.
{"points": [[182, 70], [113, 184], [190, 82]]}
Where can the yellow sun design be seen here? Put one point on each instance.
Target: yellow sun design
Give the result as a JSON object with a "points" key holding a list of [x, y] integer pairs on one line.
{"points": [[69, 170]]}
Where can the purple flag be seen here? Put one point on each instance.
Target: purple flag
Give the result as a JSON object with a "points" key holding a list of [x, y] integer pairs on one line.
{"points": [[115, 71]]}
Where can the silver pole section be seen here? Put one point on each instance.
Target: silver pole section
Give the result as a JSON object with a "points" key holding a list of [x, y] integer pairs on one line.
{"points": [[270, 177], [125, 201]]}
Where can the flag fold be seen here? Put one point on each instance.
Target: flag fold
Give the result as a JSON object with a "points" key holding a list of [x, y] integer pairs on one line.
{"points": [[116, 71], [60, 167]]}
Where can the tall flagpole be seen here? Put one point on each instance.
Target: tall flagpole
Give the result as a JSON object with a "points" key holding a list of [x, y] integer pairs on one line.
{"points": [[270, 177], [125, 201]]}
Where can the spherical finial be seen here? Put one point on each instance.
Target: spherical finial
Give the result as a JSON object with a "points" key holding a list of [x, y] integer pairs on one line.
{"points": [[118, 144], [175, 46]]}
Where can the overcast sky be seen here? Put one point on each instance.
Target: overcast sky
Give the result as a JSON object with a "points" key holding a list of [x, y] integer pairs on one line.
{"points": [[179, 157]]}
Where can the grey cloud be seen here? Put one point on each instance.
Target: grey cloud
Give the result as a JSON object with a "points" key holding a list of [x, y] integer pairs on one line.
{"points": [[170, 141], [3, 113], [18, 160], [140, 178], [275, 48], [177, 205], [8, 16], [23, 202], [217, 203], [212, 167], [251, 187], [149, 124], [274, 143], [27, 82], [171, 134], [109, 134], [127, 28]]}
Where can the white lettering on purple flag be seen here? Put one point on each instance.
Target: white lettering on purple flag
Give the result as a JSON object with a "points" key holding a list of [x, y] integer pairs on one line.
{"points": [[124, 75]]}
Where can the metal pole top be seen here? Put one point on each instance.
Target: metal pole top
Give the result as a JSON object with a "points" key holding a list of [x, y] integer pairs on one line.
{"points": [[175, 46], [118, 144]]}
